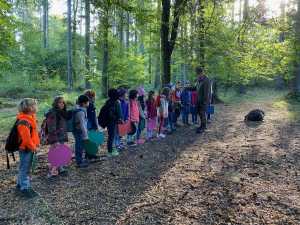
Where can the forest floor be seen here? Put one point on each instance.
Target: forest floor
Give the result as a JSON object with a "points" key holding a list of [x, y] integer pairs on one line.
{"points": [[235, 173]]}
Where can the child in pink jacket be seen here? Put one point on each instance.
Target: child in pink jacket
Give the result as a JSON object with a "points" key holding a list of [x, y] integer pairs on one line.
{"points": [[134, 117]]}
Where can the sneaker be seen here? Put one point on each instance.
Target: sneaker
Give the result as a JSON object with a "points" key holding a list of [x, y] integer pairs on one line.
{"points": [[140, 141], [62, 171], [28, 193], [162, 136], [50, 176], [131, 144], [91, 157], [84, 164], [121, 148], [114, 153], [200, 130]]}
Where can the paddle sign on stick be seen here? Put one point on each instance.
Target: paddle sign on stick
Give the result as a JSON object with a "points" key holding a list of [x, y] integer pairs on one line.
{"points": [[90, 147], [96, 137], [124, 128], [59, 155], [152, 124]]}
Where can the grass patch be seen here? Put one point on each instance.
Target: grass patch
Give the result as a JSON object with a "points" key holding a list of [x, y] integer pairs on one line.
{"points": [[8, 107], [254, 95], [291, 105]]}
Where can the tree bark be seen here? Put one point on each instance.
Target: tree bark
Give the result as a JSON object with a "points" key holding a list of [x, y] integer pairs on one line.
{"points": [[105, 78], [74, 39], [297, 49], [45, 23], [127, 29], [167, 45], [201, 39], [70, 78], [87, 42]]}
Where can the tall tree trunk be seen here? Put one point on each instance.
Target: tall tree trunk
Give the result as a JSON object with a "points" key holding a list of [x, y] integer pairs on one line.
{"points": [[167, 45], [246, 10], [150, 59], [165, 52], [70, 78], [45, 23], [157, 76], [121, 27], [105, 78], [297, 49], [240, 10], [87, 42], [128, 23], [283, 19], [157, 79], [201, 39], [74, 39]]}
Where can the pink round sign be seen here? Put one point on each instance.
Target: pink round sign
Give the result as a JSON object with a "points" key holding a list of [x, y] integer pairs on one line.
{"points": [[151, 124], [59, 155]]}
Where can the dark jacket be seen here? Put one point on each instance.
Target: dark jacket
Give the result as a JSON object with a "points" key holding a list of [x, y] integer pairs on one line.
{"points": [[115, 114], [151, 108], [185, 97], [92, 117], [124, 109], [57, 126], [203, 91]]}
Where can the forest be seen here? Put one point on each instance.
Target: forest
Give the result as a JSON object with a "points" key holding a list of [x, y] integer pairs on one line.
{"points": [[229, 172], [102, 44]]}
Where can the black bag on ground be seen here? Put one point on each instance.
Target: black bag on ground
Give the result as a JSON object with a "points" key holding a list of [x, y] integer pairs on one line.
{"points": [[13, 140], [256, 115]]}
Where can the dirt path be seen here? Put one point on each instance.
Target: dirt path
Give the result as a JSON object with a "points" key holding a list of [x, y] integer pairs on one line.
{"points": [[233, 174]]}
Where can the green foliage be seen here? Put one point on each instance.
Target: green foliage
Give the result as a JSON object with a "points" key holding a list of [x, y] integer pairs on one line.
{"points": [[235, 52], [6, 33]]}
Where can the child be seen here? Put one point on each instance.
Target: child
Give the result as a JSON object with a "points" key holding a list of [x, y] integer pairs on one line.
{"points": [[194, 99], [114, 117], [175, 96], [124, 114], [28, 134], [171, 111], [56, 123], [162, 104], [151, 115], [80, 131], [185, 103], [142, 121], [92, 121], [134, 116]]}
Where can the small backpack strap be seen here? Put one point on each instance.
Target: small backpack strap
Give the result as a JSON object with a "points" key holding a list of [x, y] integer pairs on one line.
{"points": [[25, 123]]}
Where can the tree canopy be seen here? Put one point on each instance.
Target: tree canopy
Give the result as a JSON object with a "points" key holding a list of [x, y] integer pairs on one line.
{"points": [[150, 42]]}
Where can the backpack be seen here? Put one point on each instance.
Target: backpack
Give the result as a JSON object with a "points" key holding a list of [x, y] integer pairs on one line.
{"points": [[44, 132], [107, 114], [71, 124], [13, 141]]}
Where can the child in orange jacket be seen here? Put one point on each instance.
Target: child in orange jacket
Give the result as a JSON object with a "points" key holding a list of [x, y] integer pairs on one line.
{"points": [[28, 134]]}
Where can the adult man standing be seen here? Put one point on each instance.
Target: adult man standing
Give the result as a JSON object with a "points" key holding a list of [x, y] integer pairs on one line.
{"points": [[203, 91]]}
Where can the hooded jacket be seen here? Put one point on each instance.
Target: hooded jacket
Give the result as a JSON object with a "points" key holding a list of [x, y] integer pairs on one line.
{"points": [[29, 137], [203, 91], [57, 126]]}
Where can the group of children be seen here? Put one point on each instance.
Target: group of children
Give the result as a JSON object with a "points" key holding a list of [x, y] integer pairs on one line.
{"points": [[157, 114]]}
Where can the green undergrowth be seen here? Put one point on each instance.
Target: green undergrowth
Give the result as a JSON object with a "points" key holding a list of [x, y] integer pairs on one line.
{"points": [[254, 95], [13, 90], [291, 104]]}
